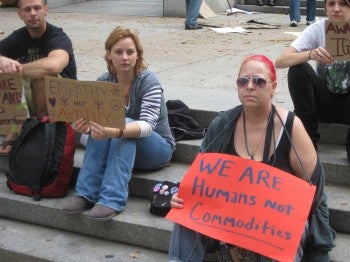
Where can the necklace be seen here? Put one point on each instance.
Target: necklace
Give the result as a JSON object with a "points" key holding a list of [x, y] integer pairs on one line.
{"points": [[251, 155]]}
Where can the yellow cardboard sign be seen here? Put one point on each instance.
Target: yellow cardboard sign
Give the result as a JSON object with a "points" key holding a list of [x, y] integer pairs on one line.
{"points": [[69, 100], [338, 39], [13, 109]]}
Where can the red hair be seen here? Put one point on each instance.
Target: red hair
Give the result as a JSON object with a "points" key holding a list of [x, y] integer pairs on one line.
{"points": [[263, 59]]}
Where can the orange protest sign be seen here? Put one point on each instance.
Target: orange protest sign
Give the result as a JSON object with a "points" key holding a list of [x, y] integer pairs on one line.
{"points": [[245, 203]]}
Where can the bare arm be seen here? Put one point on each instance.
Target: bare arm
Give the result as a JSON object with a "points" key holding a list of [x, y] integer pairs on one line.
{"points": [[305, 149], [53, 64], [8, 65], [291, 57], [131, 130]]}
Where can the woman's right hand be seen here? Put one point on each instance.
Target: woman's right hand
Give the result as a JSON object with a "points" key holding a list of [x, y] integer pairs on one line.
{"points": [[176, 202], [81, 126]]}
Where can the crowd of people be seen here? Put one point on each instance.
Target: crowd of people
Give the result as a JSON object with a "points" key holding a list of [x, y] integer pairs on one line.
{"points": [[256, 129]]}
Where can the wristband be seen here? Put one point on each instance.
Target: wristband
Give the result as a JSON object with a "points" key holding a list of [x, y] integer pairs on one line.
{"points": [[310, 54], [121, 131]]}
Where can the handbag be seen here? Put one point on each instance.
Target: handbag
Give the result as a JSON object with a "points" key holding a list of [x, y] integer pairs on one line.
{"points": [[161, 195]]}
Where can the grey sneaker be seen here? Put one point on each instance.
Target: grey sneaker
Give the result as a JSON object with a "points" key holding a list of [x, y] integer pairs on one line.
{"points": [[76, 205], [310, 22], [102, 213]]}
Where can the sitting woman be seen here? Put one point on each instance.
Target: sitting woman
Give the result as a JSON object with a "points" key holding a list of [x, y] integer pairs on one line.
{"points": [[322, 94], [261, 131], [146, 143]]}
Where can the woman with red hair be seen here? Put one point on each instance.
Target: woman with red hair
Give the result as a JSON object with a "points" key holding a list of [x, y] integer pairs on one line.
{"points": [[261, 131]]}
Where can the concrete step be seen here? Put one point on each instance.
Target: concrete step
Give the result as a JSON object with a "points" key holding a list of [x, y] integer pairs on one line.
{"points": [[32, 243], [135, 227], [141, 184], [277, 9]]}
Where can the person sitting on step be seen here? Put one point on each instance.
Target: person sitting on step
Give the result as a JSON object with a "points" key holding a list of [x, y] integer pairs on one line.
{"points": [[36, 50], [146, 142], [263, 132], [323, 95]]}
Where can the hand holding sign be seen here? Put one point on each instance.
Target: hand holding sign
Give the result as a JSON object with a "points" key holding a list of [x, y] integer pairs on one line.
{"points": [[245, 203]]}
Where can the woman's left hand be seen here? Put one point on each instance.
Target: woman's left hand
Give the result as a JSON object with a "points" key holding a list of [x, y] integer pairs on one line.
{"points": [[98, 132]]}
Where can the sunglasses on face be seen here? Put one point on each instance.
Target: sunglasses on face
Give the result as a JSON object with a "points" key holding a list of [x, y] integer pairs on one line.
{"points": [[243, 82]]}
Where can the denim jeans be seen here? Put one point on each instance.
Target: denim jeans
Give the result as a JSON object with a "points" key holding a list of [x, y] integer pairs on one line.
{"points": [[294, 10], [108, 165], [192, 11], [186, 245]]}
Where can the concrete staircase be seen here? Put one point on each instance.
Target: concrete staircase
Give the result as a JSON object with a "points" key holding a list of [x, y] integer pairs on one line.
{"points": [[38, 231], [281, 6]]}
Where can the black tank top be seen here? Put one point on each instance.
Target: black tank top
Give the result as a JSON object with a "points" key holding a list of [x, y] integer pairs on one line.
{"points": [[280, 158]]}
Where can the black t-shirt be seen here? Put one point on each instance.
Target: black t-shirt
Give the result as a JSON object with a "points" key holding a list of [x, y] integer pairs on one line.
{"points": [[20, 46]]}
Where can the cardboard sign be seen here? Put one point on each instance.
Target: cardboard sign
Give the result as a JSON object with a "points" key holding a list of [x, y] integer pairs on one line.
{"points": [[69, 100], [338, 39], [245, 203], [13, 109]]}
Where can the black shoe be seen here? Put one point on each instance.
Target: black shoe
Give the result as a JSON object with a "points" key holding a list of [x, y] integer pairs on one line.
{"points": [[187, 27], [259, 3], [270, 3]]}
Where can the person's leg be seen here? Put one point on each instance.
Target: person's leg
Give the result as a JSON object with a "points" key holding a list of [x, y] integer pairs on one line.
{"points": [[89, 180], [93, 169], [185, 245], [294, 12], [310, 11], [114, 189], [152, 152], [192, 13], [304, 88]]}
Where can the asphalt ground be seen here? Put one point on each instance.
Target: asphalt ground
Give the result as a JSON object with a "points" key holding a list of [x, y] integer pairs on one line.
{"points": [[197, 66]]}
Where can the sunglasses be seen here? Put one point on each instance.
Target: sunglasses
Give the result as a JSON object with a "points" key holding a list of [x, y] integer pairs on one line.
{"points": [[243, 82]]}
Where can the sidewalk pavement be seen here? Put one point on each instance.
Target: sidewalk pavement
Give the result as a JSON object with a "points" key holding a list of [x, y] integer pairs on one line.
{"points": [[197, 66]]}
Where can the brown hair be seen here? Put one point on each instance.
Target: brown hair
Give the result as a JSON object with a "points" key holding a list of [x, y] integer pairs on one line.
{"points": [[44, 2], [118, 34]]}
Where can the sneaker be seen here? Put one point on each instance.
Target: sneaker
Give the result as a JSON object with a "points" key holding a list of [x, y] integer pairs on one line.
{"points": [[293, 23], [259, 3], [310, 22], [101, 213], [76, 205]]}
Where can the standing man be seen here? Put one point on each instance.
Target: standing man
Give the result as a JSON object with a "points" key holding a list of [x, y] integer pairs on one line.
{"points": [[192, 11], [36, 50], [294, 12]]}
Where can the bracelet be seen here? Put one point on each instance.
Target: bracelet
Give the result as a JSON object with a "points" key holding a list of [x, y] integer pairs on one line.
{"points": [[121, 131], [310, 54]]}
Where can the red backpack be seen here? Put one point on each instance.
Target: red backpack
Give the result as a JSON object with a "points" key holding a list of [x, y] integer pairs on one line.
{"points": [[41, 159]]}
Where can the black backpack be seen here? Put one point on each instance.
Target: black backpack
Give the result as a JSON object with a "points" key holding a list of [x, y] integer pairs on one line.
{"points": [[182, 124], [41, 159]]}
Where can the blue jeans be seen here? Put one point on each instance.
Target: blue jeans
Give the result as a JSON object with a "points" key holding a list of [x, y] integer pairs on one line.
{"points": [[192, 11], [294, 10], [108, 165], [186, 245]]}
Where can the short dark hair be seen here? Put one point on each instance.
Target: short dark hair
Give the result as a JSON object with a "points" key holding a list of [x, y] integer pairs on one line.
{"points": [[19, 2]]}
